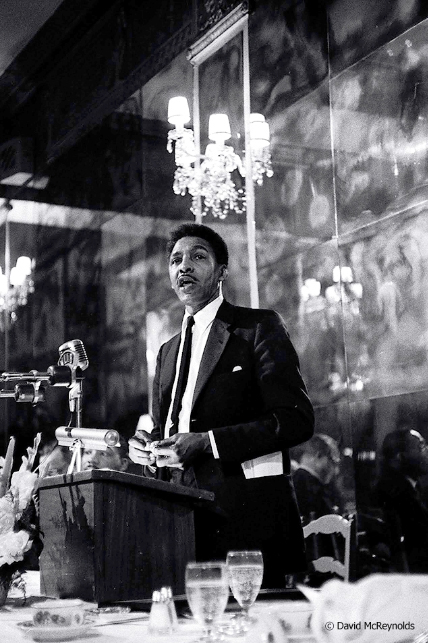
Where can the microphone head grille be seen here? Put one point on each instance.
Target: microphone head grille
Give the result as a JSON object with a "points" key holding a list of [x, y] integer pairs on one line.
{"points": [[81, 352], [73, 353]]}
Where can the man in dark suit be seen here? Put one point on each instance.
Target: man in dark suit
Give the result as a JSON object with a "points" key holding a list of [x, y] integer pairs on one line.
{"points": [[314, 478], [317, 496], [405, 461], [243, 406]]}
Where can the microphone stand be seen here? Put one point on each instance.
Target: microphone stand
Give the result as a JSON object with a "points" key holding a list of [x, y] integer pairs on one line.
{"points": [[75, 397], [76, 458], [30, 387]]}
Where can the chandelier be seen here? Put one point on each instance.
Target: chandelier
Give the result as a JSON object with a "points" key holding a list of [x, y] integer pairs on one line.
{"points": [[15, 288], [208, 177]]}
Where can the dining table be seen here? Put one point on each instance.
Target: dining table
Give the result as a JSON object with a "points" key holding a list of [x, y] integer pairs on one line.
{"points": [[130, 623]]}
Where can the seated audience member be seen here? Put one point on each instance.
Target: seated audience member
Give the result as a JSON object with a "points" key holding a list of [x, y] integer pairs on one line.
{"points": [[316, 496], [54, 461], [405, 461], [115, 458], [314, 477]]}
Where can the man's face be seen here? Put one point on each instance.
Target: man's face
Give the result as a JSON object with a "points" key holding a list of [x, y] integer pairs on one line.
{"points": [[56, 463], [108, 459], [194, 273], [328, 468], [416, 454]]}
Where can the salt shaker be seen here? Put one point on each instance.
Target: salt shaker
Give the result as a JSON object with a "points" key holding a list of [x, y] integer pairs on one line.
{"points": [[160, 622], [166, 592]]}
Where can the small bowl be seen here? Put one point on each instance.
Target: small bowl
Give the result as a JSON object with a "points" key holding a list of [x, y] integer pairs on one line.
{"points": [[67, 612]]}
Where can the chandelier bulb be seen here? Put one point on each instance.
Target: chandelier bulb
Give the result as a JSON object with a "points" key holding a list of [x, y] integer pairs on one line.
{"points": [[178, 111]]}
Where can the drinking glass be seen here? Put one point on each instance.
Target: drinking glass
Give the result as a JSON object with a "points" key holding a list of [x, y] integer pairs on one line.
{"points": [[207, 591], [245, 572]]}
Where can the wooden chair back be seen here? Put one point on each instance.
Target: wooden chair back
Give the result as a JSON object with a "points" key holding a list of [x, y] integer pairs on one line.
{"points": [[331, 524]]}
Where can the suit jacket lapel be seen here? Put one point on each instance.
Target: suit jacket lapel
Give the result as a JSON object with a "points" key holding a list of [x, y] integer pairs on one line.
{"points": [[216, 342], [168, 373]]}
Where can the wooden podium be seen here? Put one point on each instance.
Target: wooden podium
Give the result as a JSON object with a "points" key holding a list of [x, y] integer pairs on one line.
{"points": [[111, 536]]}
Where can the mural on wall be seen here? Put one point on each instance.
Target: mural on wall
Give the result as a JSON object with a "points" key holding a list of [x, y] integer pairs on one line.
{"points": [[298, 201], [288, 53], [358, 28], [380, 128], [380, 121], [295, 209], [390, 351], [372, 311], [288, 63]]}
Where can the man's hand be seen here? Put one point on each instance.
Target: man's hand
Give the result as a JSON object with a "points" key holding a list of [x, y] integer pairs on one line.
{"points": [[140, 448], [181, 449]]}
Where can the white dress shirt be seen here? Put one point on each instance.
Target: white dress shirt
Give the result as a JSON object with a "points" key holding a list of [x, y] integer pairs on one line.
{"points": [[200, 331], [267, 465]]}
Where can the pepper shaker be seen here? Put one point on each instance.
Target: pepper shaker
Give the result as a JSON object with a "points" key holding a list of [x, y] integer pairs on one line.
{"points": [[160, 622], [166, 592]]}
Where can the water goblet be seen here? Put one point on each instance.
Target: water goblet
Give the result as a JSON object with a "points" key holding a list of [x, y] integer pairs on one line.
{"points": [[207, 591], [245, 572]]}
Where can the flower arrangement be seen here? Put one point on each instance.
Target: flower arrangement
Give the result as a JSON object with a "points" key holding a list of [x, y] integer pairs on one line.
{"points": [[18, 515]]}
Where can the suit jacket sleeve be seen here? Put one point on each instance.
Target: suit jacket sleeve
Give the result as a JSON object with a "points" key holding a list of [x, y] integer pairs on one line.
{"points": [[286, 415]]}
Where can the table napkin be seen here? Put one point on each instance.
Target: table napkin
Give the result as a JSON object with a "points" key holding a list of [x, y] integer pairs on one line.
{"points": [[386, 608]]}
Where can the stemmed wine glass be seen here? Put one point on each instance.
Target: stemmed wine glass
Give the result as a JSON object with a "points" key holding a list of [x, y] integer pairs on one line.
{"points": [[207, 591], [245, 572]]}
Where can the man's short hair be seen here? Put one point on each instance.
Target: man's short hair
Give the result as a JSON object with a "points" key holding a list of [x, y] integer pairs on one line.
{"points": [[395, 443], [216, 242], [321, 445]]}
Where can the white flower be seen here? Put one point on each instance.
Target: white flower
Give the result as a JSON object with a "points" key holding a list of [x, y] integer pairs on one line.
{"points": [[13, 546], [22, 485], [7, 514]]}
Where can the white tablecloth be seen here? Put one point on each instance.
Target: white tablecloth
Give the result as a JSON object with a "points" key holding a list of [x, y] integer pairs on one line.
{"points": [[106, 630]]}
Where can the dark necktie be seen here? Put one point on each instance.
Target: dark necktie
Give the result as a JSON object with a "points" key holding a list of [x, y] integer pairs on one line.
{"points": [[182, 376]]}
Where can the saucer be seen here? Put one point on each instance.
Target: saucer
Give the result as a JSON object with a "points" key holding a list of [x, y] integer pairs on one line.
{"points": [[53, 633]]}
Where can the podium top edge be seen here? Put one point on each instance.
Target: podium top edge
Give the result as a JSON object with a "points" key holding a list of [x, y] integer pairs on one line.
{"points": [[131, 479]]}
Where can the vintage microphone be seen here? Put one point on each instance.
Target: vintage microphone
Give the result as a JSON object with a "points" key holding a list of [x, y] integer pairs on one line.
{"points": [[72, 355], [30, 387]]}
